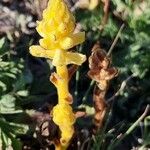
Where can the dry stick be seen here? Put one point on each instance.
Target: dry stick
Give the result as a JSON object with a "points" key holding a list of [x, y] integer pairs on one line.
{"points": [[115, 40], [122, 87], [147, 109]]}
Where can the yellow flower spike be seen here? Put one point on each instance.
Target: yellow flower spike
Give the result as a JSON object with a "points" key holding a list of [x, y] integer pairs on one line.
{"points": [[57, 31], [52, 18], [58, 35]]}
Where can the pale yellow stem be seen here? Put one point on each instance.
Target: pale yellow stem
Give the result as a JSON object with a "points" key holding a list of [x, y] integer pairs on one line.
{"points": [[62, 88], [63, 94], [60, 147]]}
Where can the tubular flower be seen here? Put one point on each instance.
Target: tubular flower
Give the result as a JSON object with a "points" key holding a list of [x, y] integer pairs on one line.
{"points": [[64, 116], [57, 31]]}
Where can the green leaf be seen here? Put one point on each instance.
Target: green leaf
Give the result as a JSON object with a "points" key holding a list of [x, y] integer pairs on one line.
{"points": [[5, 141], [23, 93], [3, 86], [11, 75], [16, 144], [7, 105], [147, 130], [8, 135], [2, 41]]}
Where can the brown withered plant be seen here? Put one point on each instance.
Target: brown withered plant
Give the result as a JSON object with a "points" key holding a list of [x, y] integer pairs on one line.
{"points": [[102, 72]]}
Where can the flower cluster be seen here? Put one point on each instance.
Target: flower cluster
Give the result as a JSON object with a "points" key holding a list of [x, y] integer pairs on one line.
{"points": [[57, 32]]}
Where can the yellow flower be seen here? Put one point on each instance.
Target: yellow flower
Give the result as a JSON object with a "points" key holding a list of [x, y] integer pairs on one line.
{"points": [[63, 114], [64, 118], [57, 31]]}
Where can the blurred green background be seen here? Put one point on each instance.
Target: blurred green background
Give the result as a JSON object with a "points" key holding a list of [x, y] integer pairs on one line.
{"points": [[27, 96]]}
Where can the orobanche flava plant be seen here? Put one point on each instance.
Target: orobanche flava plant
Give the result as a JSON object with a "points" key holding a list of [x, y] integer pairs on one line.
{"points": [[57, 32]]}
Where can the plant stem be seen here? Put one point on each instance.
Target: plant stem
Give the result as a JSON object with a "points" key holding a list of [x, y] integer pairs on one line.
{"points": [[76, 86], [132, 127], [87, 92], [63, 97], [142, 147], [60, 147], [138, 121], [62, 88], [121, 89], [115, 40]]}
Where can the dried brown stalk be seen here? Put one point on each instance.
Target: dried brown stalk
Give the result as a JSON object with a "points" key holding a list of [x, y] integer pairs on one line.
{"points": [[102, 72]]}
